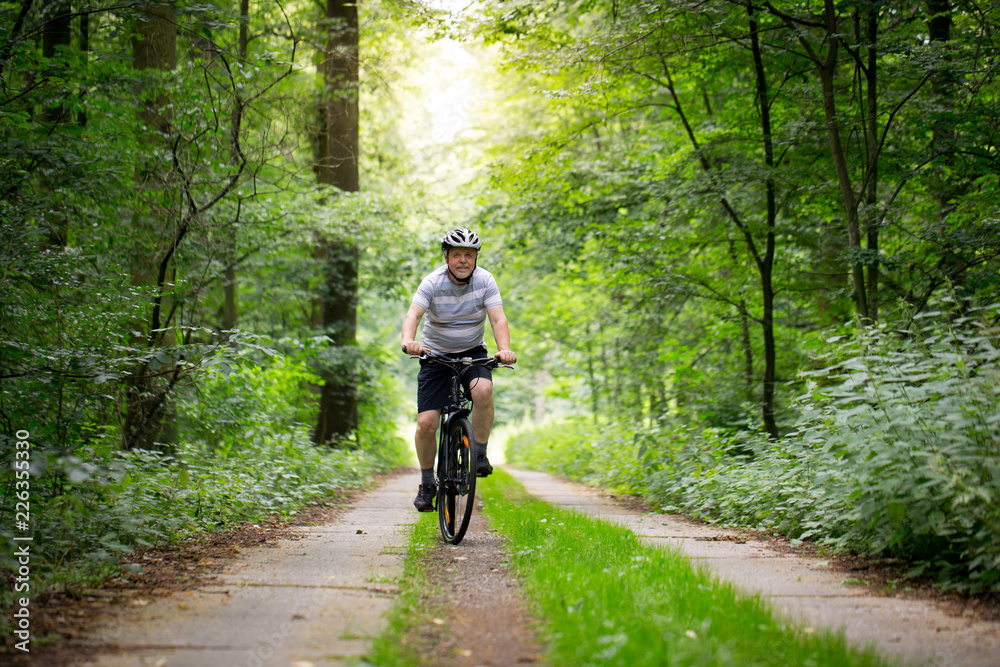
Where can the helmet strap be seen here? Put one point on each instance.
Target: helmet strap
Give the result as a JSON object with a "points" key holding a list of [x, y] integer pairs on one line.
{"points": [[458, 280]]}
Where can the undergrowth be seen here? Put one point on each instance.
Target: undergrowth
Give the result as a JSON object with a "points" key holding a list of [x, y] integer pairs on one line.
{"points": [[243, 453], [895, 453]]}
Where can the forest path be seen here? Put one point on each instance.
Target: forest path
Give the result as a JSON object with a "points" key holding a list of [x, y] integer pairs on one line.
{"points": [[803, 588], [317, 598]]}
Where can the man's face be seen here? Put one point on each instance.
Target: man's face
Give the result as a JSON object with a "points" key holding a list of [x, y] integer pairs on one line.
{"points": [[462, 261]]}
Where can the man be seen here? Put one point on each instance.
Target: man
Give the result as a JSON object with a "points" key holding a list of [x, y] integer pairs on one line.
{"points": [[457, 299]]}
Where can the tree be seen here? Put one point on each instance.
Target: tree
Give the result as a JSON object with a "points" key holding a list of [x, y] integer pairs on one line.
{"points": [[229, 306], [337, 166], [154, 47]]}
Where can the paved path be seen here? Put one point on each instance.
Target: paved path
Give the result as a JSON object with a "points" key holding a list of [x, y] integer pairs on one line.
{"points": [[911, 629], [316, 599], [319, 598]]}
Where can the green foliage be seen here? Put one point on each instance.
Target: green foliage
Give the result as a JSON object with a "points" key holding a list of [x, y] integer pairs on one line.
{"points": [[242, 455], [120, 227], [895, 453], [636, 214], [599, 455], [608, 599]]}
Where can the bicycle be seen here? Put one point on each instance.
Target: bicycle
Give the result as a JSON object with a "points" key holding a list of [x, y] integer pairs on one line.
{"points": [[457, 458]]}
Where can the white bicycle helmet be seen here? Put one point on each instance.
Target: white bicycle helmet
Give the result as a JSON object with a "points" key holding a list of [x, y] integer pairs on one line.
{"points": [[460, 238]]}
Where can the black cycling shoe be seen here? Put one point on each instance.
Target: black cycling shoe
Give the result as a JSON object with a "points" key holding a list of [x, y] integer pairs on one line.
{"points": [[426, 494], [484, 469]]}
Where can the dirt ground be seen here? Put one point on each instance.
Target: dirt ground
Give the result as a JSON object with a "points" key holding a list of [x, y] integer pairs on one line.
{"points": [[489, 624]]}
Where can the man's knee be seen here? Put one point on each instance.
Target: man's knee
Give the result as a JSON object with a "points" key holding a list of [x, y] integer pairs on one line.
{"points": [[482, 392], [427, 422]]}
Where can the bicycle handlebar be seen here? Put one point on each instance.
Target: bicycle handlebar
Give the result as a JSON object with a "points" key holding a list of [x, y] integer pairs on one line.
{"points": [[488, 362]]}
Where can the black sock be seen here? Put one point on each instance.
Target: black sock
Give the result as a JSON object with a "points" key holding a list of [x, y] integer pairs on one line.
{"points": [[481, 449], [427, 476]]}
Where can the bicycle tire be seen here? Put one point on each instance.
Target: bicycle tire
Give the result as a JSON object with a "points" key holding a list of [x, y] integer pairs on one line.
{"points": [[456, 480]]}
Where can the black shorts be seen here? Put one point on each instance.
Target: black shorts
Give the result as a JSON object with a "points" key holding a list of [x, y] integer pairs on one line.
{"points": [[434, 380]]}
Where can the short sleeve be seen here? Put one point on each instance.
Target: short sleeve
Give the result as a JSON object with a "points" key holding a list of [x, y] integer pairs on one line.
{"points": [[491, 297], [424, 294]]}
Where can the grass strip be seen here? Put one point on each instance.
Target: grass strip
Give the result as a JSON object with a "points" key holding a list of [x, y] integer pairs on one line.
{"points": [[607, 599], [399, 645]]}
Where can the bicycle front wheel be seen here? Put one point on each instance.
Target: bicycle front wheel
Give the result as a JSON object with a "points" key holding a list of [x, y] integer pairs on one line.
{"points": [[457, 484]]}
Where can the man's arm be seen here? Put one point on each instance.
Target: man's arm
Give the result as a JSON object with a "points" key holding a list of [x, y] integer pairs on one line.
{"points": [[501, 332], [410, 323]]}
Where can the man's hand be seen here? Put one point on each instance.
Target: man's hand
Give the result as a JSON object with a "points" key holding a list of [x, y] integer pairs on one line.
{"points": [[507, 357], [413, 348]]}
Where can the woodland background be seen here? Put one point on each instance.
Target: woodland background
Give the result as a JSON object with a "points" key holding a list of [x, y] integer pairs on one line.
{"points": [[749, 252]]}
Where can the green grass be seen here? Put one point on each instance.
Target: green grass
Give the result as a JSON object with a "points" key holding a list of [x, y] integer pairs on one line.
{"points": [[399, 645], [607, 599]]}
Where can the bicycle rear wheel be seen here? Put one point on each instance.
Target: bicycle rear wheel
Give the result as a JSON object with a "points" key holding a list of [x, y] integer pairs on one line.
{"points": [[456, 480]]}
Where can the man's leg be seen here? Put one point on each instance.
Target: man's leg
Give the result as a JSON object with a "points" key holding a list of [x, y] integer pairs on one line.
{"points": [[423, 440], [482, 421]]}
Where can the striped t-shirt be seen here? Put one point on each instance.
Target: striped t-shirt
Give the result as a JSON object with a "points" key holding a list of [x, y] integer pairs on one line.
{"points": [[455, 315]]}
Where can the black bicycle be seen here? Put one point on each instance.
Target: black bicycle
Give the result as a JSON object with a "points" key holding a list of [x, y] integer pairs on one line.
{"points": [[457, 458]]}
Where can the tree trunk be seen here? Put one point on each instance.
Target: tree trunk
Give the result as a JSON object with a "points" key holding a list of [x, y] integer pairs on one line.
{"points": [[56, 33], [147, 413], [337, 165], [943, 85], [765, 263], [872, 152], [230, 313], [15, 35], [745, 343], [827, 70], [56, 37], [81, 118]]}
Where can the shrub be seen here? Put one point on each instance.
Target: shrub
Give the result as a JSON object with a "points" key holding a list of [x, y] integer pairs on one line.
{"points": [[896, 452], [244, 453], [611, 456]]}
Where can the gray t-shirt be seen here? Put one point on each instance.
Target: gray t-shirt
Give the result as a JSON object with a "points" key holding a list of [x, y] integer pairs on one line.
{"points": [[455, 315]]}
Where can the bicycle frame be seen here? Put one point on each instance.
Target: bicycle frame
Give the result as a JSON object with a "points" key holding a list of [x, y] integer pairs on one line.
{"points": [[456, 455]]}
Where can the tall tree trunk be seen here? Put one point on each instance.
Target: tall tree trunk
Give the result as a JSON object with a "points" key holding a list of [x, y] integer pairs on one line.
{"points": [[155, 47], [748, 378], [945, 183], [230, 312], [56, 37], [81, 117], [943, 84], [765, 263], [869, 39], [827, 70], [56, 33], [14, 36], [337, 165]]}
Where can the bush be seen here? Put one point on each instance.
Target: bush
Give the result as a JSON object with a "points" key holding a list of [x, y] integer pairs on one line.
{"points": [[244, 454], [896, 452], [609, 456]]}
